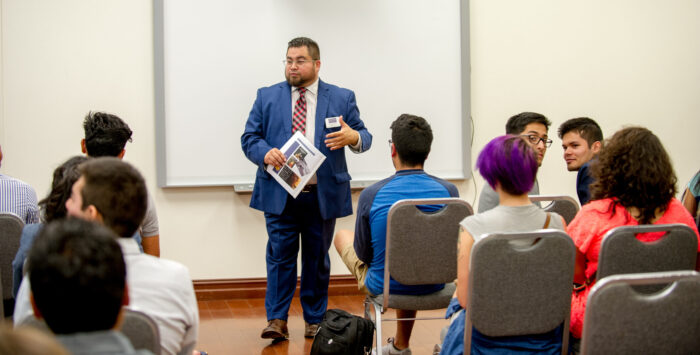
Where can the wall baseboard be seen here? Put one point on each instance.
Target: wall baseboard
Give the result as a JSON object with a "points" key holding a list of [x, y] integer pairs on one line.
{"points": [[207, 290]]}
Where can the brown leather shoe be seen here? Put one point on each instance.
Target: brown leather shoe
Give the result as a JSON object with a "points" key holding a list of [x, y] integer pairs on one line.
{"points": [[275, 329], [310, 330]]}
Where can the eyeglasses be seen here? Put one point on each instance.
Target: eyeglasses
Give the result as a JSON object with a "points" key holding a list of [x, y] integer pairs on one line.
{"points": [[390, 141], [298, 62], [534, 140]]}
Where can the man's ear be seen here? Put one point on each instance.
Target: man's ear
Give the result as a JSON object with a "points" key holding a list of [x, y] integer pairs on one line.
{"points": [[125, 299], [94, 214], [83, 147], [125, 302], [37, 312], [121, 154], [595, 147], [393, 150]]}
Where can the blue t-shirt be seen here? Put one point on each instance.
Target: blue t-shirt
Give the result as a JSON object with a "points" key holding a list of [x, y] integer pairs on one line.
{"points": [[370, 229], [694, 186]]}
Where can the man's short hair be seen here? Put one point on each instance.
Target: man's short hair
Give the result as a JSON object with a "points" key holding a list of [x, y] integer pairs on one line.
{"points": [[77, 275], [309, 43], [105, 134], [587, 128], [412, 137], [517, 123], [118, 191]]}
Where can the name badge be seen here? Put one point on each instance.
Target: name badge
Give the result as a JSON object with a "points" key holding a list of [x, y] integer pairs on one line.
{"points": [[333, 122]]}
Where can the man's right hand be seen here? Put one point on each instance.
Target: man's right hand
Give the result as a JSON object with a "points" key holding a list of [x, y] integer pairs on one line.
{"points": [[275, 157]]}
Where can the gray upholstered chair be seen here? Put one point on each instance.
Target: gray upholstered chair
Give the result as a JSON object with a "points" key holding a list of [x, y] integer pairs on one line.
{"points": [[518, 288], [2, 309], [565, 206], [421, 248], [621, 320], [10, 233], [141, 330], [139, 327], [622, 253]]}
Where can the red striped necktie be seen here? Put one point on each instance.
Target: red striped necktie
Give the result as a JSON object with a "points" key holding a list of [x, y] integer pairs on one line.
{"points": [[299, 115]]}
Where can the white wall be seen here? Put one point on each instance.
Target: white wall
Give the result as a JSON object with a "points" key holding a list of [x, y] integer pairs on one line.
{"points": [[622, 62]]}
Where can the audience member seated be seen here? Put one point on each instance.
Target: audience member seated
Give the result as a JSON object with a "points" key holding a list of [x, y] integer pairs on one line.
{"points": [[28, 341], [78, 280], [533, 127], [106, 136], [18, 197], [509, 164], [581, 139], [691, 195], [411, 139], [53, 207], [634, 185], [113, 193]]}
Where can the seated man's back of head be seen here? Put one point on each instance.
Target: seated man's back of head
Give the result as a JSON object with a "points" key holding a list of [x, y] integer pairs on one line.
{"points": [[78, 282]]}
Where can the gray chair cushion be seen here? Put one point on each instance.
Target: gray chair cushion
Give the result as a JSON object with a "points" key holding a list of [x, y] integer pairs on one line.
{"points": [[422, 247], [622, 253], [10, 233], [619, 320], [435, 300], [141, 330], [520, 290], [564, 206]]}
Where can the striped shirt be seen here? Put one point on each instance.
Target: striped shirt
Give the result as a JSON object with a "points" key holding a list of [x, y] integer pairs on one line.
{"points": [[19, 198]]}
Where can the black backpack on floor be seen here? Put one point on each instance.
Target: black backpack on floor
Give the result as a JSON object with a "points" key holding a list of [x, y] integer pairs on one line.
{"points": [[343, 333]]}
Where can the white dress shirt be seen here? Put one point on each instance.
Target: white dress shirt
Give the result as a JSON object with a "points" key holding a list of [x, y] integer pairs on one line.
{"points": [[158, 287], [310, 130]]}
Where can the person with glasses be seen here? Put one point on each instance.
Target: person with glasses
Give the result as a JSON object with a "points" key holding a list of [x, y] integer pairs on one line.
{"points": [[301, 103], [532, 127]]}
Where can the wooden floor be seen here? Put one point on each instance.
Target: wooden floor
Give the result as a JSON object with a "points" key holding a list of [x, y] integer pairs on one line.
{"points": [[234, 327]]}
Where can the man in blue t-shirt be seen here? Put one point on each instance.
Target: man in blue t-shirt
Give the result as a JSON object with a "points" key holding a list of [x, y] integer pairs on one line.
{"points": [[363, 251]]}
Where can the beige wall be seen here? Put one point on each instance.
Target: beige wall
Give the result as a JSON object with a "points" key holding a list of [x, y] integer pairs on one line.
{"points": [[623, 62]]}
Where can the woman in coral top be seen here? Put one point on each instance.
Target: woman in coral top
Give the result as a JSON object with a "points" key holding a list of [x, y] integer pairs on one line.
{"points": [[635, 184]]}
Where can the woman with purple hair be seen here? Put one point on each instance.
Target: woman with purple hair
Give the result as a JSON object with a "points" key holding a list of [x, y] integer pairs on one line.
{"points": [[509, 165]]}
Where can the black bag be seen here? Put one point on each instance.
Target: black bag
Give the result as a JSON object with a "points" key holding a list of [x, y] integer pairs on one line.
{"points": [[343, 333]]}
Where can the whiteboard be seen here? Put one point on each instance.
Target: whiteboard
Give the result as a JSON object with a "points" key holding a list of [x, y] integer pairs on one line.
{"points": [[397, 56]]}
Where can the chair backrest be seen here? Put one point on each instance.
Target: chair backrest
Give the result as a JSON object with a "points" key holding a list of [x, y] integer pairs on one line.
{"points": [[619, 320], [141, 330], [2, 309], [421, 248], [622, 253], [518, 288], [565, 206], [10, 232]]}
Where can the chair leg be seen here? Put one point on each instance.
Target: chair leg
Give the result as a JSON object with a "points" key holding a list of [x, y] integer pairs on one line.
{"points": [[377, 320], [378, 326]]}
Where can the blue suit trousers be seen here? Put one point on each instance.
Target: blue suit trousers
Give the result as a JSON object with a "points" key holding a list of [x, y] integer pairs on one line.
{"points": [[301, 217]]}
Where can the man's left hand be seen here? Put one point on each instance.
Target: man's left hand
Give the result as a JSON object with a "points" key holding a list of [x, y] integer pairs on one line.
{"points": [[339, 139]]}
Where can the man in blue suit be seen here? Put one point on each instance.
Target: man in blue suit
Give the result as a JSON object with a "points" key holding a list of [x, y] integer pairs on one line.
{"points": [[301, 103]]}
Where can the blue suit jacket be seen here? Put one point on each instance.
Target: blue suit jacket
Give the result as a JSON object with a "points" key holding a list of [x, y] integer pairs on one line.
{"points": [[270, 125]]}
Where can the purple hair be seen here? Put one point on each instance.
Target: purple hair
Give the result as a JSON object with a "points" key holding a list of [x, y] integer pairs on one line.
{"points": [[509, 161]]}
